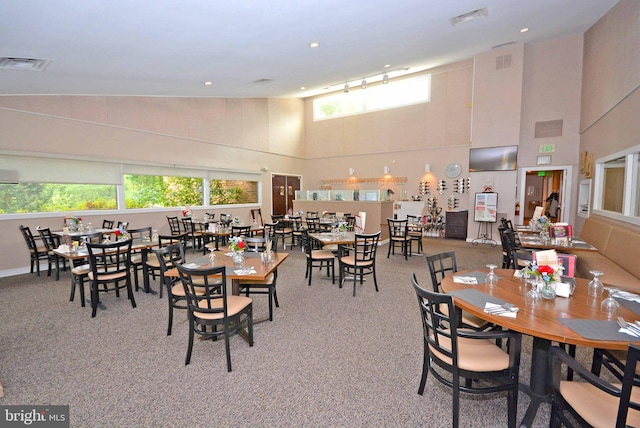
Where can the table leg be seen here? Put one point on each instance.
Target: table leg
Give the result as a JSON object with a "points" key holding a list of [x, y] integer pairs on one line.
{"points": [[538, 382], [145, 273]]}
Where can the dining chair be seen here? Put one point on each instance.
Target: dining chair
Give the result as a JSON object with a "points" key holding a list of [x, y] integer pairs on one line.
{"points": [[507, 248], [167, 258], [351, 224], [110, 265], [107, 224], [242, 231], [313, 224], [215, 313], [153, 265], [194, 234], [81, 268], [137, 257], [225, 219], [398, 236], [359, 260], [475, 363], [283, 230], [414, 232], [269, 230], [295, 223], [124, 225], [256, 216], [441, 265], [50, 243], [174, 225], [317, 257], [593, 401], [267, 287], [36, 252]]}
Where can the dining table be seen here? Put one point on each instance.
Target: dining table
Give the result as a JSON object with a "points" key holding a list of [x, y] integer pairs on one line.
{"points": [[570, 245], [224, 232], [78, 235], [80, 253], [575, 320]]}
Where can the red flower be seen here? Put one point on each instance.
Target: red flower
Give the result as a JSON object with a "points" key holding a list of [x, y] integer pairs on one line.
{"points": [[241, 245], [546, 269], [117, 232]]}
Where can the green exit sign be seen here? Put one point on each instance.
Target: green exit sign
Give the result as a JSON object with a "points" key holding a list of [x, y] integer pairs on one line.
{"points": [[547, 148]]}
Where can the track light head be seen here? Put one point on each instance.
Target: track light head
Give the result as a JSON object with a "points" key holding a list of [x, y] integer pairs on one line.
{"points": [[385, 78], [363, 85], [346, 87]]}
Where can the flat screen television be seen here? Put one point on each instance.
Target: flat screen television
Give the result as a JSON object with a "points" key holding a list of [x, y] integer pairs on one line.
{"points": [[503, 158]]}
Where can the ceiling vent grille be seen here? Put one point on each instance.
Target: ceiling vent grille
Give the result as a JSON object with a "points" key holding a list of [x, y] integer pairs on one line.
{"points": [[263, 81], [27, 64], [469, 16]]}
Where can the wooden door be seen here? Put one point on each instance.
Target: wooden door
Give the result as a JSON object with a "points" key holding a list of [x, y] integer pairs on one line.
{"points": [[283, 192]]}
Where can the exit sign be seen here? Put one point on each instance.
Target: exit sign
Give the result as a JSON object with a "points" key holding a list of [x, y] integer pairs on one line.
{"points": [[547, 148]]}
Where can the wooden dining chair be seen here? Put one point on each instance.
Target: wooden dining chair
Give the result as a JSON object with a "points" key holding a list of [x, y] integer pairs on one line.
{"points": [[36, 252], [398, 236], [317, 257], [359, 260], [167, 258], [466, 354], [50, 243], [593, 401]]}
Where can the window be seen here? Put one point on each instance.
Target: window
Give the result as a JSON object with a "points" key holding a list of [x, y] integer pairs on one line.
{"points": [[617, 181], [52, 197], [151, 191], [224, 192], [379, 97]]}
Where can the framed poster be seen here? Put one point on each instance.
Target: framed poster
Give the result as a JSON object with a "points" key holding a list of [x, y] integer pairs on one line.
{"points": [[486, 207]]}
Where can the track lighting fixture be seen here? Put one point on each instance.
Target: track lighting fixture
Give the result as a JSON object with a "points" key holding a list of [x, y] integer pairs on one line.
{"points": [[363, 85], [346, 87], [385, 78]]}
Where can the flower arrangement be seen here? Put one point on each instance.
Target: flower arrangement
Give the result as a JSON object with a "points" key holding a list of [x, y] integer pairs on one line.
{"points": [[343, 225], [120, 234], [236, 244], [236, 221], [544, 223], [325, 214], [546, 272], [74, 219]]}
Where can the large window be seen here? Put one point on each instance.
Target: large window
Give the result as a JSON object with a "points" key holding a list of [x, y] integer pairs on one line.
{"points": [[394, 94], [617, 183], [52, 197], [42, 185]]}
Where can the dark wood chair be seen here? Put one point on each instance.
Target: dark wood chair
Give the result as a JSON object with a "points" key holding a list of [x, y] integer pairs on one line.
{"points": [[317, 257], [215, 313], [414, 231], [466, 354], [593, 401], [360, 259], [398, 236], [174, 225], [250, 287], [50, 243], [167, 258], [36, 252]]}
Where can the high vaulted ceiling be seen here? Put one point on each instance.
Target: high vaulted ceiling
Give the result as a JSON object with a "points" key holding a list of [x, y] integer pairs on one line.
{"points": [[257, 48]]}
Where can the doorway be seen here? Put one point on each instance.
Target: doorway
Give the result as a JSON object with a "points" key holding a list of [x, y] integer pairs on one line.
{"points": [[549, 188], [283, 192]]}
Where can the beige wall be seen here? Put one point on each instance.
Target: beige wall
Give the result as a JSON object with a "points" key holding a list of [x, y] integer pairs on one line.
{"points": [[611, 78]]}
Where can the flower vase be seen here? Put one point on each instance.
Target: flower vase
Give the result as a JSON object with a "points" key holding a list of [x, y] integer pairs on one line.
{"points": [[548, 290], [238, 259]]}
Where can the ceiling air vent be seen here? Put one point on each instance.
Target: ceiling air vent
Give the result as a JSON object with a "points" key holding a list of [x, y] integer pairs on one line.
{"points": [[469, 16], [28, 64], [263, 81]]}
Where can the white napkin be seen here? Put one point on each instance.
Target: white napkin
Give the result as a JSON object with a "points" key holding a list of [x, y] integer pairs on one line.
{"points": [[191, 265], [244, 271], [627, 331], [628, 296], [490, 307], [465, 279], [63, 248]]}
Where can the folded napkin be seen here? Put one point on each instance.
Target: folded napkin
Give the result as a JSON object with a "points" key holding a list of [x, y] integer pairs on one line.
{"points": [[191, 265], [628, 296], [465, 279], [500, 310], [63, 248], [229, 254], [628, 331], [244, 271]]}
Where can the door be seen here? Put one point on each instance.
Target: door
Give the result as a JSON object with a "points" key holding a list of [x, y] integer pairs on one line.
{"points": [[283, 192], [548, 188]]}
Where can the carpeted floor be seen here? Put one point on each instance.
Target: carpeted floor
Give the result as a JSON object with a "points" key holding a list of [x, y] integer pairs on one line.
{"points": [[327, 359]]}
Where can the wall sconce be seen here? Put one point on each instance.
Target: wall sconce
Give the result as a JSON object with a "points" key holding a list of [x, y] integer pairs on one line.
{"points": [[385, 78], [346, 87], [427, 167], [352, 171], [363, 85], [386, 170]]}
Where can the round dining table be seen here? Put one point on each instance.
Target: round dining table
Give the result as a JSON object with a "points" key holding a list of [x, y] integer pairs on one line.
{"points": [[546, 321]]}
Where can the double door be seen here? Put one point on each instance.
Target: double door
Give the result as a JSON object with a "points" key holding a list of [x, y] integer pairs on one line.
{"points": [[283, 192]]}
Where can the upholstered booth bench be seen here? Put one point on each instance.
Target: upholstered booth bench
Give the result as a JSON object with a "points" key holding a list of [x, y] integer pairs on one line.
{"points": [[618, 255]]}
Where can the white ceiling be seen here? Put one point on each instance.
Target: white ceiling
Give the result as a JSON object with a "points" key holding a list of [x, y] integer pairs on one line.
{"points": [[171, 47]]}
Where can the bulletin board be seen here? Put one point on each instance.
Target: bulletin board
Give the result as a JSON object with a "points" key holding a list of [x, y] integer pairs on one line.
{"points": [[486, 207]]}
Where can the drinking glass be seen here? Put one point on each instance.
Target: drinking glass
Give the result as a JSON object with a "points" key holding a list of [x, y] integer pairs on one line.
{"points": [[492, 278], [595, 287], [533, 296], [610, 306]]}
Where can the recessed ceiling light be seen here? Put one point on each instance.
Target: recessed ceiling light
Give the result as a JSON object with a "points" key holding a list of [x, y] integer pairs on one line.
{"points": [[387, 65], [524, 30], [302, 88], [208, 83], [314, 44]]}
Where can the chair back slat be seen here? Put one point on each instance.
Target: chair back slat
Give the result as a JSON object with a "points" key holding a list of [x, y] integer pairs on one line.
{"points": [[439, 265]]}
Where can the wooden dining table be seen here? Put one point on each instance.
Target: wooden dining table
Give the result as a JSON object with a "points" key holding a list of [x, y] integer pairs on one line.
{"points": [[534, 241], [225, 232], [553, 320]]}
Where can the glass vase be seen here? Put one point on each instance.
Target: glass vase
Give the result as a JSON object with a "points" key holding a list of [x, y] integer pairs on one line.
{"points": [[548, 290], [238, 259]]}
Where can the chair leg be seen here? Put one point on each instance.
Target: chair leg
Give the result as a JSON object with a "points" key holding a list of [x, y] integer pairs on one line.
{"points": [[190, 345], [170, 323], [130, 292], [227, 348], [81, 284], [425, 370]]}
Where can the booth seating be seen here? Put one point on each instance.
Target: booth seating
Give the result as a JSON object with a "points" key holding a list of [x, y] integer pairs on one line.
{"points": [[617, 256]]}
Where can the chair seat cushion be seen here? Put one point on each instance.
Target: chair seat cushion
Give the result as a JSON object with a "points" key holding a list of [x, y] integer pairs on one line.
{"points": [[108, 276], [597, 407], [153, 263], [286, 230], [178, 290], [321, 254], [235, 304], [81, 270], [478, 355], [351, 261]]}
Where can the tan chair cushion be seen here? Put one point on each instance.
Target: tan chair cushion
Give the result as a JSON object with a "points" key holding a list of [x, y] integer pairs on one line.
{"points": [[268, 281], [321, 254], [109, 276], [235, 304], [596, 406], [478, 355], [178, 290], [351, 261], [81, 270], [153, 263]]}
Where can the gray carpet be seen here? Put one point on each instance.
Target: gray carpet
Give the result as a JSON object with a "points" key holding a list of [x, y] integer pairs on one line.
{"points": [[327, 359]]}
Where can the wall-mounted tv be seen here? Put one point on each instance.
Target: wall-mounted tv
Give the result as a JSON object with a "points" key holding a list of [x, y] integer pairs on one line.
{"points": [[503, 158]]}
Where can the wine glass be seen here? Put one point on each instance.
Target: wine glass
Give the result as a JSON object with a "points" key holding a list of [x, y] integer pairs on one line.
{"points": [[595, 287], [492, 278], [610, 306], [533, 296]]}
